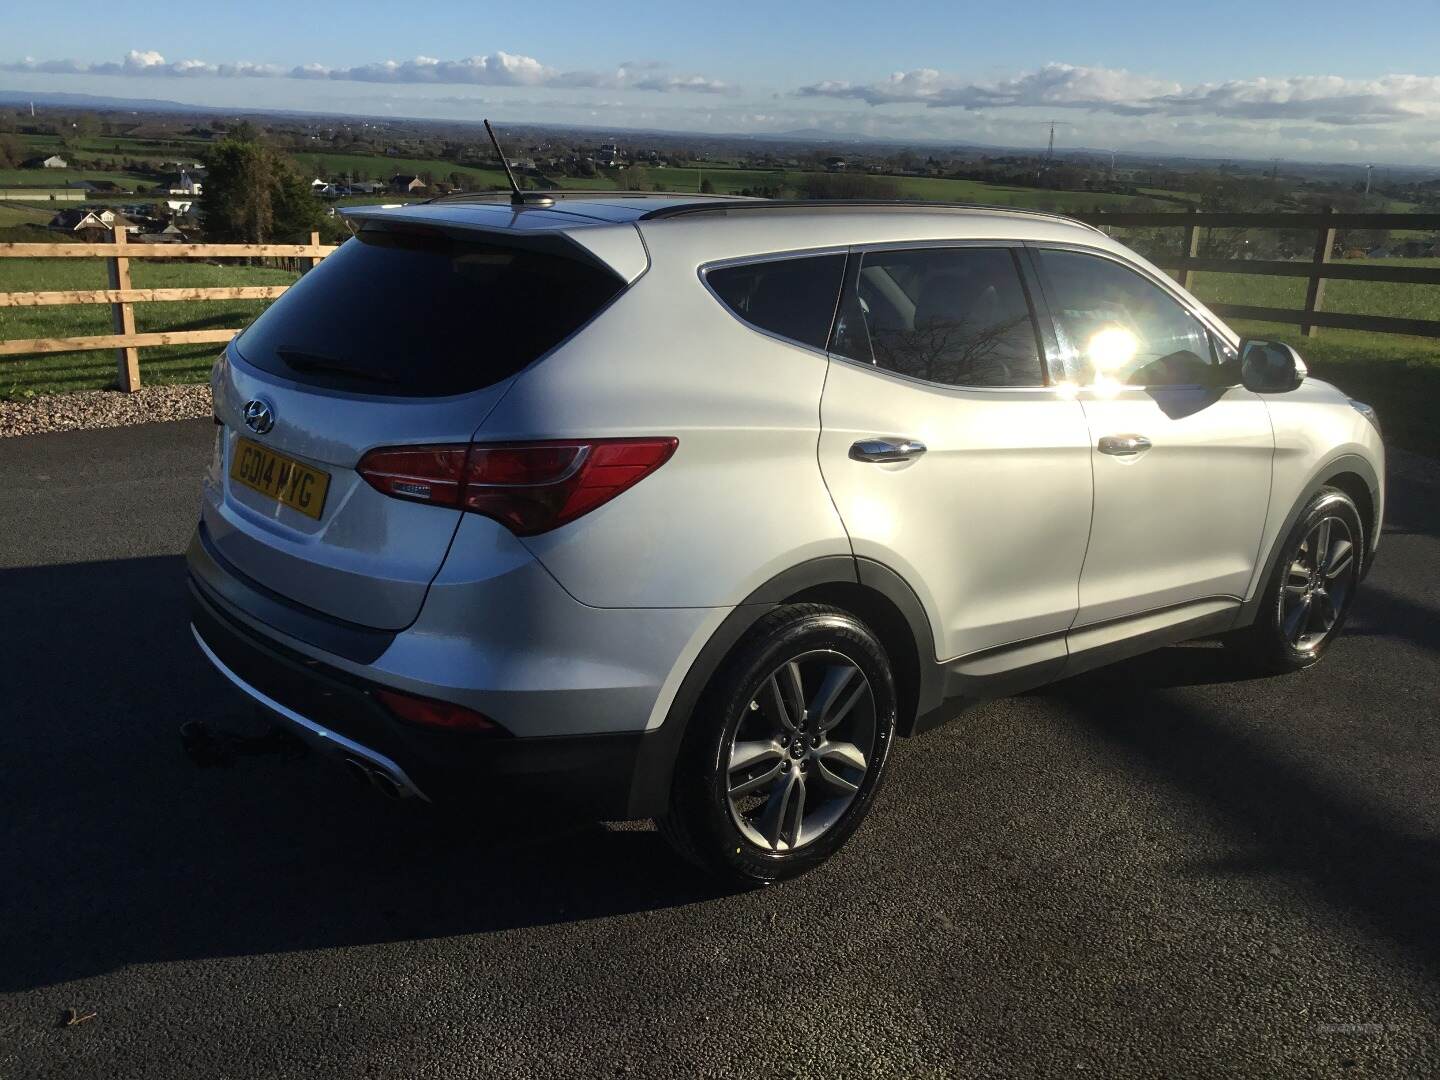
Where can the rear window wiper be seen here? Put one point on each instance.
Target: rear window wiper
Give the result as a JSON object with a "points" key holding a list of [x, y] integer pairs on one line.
{"points": [[300, 360]]}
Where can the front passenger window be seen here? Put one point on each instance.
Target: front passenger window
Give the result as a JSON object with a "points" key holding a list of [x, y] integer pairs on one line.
{"points": [[1115, 325]]}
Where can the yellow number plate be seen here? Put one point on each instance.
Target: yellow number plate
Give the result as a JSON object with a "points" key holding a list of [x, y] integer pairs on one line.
{"points": [[283, 479]]}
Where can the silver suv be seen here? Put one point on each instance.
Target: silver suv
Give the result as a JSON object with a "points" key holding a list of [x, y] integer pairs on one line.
{"points": [[686, 508]]}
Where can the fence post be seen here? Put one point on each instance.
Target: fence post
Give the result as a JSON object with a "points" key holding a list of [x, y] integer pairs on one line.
{"points": [[1191, 248], [122, 315], [308, 263], [1315, 288]]}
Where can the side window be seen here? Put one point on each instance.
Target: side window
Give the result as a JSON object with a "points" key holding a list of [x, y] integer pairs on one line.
{"points": [[1115, 325], [957, 316], [792, 298]]}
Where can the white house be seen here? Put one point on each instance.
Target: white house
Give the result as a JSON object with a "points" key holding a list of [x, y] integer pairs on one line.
{"points": [[184, 184]]}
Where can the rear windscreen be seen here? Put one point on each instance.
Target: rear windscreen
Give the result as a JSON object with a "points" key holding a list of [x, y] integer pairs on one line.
{"points": [[424, 314]]}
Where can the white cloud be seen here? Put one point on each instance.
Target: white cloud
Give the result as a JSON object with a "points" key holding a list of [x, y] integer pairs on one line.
{"points": [[1322, 99], [495, 69]]}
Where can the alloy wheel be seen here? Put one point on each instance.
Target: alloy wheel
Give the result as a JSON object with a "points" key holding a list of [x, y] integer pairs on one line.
{"points": [[1318, 582], [797, 755]]}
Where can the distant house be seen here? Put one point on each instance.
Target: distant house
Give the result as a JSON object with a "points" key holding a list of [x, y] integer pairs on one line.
{"points": [[836, 164], [182, 184], [170, 233], [83, 185], [366, 187], [54, 161], [402, 184], [91, 224]]}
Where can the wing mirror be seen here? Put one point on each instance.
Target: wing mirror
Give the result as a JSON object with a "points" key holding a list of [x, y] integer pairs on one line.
{"points": [[1270, 367]]}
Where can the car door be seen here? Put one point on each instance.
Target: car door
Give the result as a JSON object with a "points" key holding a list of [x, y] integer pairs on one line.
{"points": [[950, 457], [1182, 454]]}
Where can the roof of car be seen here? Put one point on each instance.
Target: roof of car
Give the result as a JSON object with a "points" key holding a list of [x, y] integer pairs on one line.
{"points": [[573, 209]]}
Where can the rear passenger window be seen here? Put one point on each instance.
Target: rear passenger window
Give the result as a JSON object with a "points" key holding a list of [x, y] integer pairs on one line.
{"points": [[792, 298], [957, 316]]}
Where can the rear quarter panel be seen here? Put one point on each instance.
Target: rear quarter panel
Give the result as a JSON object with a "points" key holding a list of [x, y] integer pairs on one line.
{"points": [[741, 500]]}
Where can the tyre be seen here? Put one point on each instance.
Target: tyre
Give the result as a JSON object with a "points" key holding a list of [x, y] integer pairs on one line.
{"points": [[785, 753], [1310, 590]]}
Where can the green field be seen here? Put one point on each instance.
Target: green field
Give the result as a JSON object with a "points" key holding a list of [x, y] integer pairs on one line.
{"points": [[27, 376], [1354, 297], [59, 178], [20, 213], [731, 181]]}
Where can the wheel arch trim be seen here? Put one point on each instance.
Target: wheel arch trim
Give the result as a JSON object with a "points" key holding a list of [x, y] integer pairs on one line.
{"points": [[654, 766], [1322, 478]]}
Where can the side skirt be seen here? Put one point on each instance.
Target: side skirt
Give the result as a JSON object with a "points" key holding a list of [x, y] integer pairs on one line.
{"points": [[1013, 669]]}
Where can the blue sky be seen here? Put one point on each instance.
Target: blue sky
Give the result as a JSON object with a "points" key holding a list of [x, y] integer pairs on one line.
{"points": [[1225, 78]]}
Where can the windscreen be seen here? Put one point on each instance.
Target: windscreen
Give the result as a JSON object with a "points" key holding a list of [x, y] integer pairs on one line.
{"points": [[424, 314]]}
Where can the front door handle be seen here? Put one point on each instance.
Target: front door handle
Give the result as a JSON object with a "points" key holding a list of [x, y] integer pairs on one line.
{"points": [[887, 449], [1124, 445]]}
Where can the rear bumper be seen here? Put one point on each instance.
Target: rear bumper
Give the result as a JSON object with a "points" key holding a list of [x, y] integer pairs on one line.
{"points": [[335, 712]]}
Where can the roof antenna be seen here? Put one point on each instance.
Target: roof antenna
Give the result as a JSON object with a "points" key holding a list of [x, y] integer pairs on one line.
{"points": [[517, 197]]}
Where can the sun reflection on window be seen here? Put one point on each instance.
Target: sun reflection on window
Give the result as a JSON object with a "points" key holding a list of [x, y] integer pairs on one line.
{"points": [[1111, 349]]}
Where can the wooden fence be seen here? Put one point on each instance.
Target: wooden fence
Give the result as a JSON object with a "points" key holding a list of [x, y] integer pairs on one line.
{"points": [[1316, 270], [121, 295]]}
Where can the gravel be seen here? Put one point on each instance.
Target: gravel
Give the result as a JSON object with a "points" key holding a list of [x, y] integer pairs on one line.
{"points": [[103, 409]]}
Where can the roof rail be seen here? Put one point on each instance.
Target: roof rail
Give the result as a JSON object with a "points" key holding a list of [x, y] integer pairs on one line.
{"points": [[698, 207], [570, 193]]}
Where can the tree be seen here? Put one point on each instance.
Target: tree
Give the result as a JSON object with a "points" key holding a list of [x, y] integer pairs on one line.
{"points": [[252, 195], [11, 152], [706, 187]]}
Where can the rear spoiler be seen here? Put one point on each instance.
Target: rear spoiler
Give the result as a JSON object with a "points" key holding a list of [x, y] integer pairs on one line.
{"points": [[616, 247]]}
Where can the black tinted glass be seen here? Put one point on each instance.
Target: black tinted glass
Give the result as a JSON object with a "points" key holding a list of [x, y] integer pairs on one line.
{"points": [[423, 314], [1116, 325], [794, 298], [957, 316]]}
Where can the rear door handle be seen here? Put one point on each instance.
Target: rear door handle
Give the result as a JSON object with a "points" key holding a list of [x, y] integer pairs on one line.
{"points": [[1124, 445], [887, 449]]}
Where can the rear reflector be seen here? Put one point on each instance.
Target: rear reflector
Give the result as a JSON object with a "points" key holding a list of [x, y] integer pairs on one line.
{"points": [[443, 715], [529, 487]]}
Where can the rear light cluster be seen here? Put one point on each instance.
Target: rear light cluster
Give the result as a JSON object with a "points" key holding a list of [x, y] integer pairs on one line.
{"points": [[444, 715], [529, 487]]}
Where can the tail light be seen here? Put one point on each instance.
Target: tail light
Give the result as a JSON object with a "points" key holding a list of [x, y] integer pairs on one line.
{"points": [[529, 487], [442, 715]]}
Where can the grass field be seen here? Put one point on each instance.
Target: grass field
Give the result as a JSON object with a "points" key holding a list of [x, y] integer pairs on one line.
{"points": [[1355, 297], [58, 178], [19, 213], [28, 376]]}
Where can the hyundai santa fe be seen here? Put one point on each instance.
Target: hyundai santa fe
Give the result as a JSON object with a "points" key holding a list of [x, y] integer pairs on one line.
{"points": [[687, 508]]}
